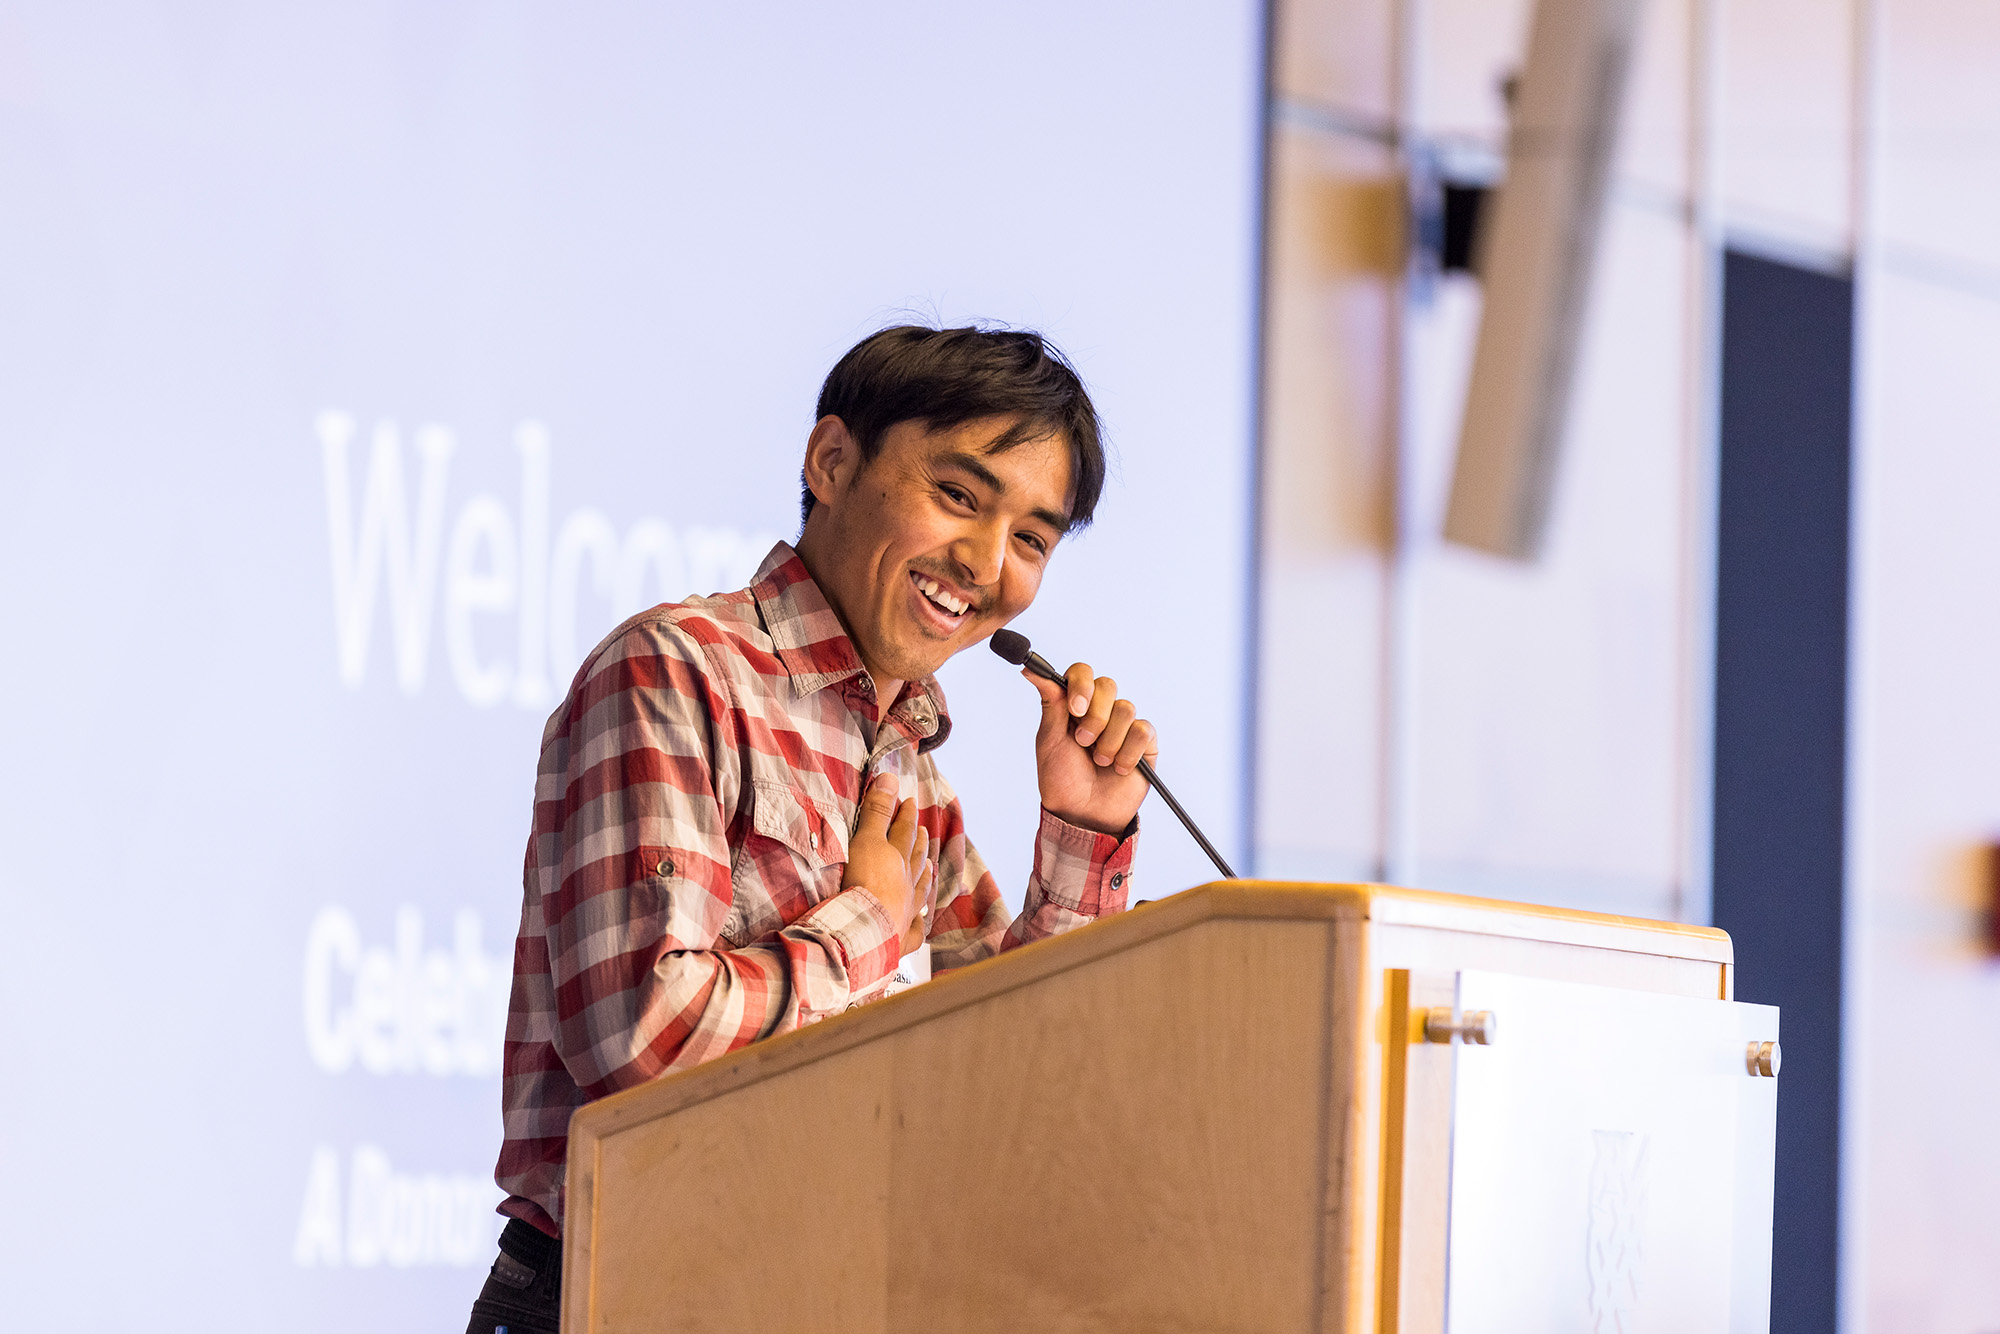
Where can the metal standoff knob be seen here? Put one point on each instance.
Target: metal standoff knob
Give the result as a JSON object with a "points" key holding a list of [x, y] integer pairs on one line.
{"points": [[1764, 1058], [1474, 1026]]}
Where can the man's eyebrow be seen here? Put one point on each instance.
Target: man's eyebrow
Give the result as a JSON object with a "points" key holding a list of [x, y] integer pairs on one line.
{"points": [[958, 458]]}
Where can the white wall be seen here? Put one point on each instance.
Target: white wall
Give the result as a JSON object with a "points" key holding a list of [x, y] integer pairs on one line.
{"points": [[1922, 1169], [1925, 804], [647, 231]]}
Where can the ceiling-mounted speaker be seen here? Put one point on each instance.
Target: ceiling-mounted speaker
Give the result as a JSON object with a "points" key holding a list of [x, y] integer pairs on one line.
{"points": [[1534, 266]]}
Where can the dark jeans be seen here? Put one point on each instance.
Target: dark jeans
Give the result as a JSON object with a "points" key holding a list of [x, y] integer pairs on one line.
{"points": [[523, 1292]]}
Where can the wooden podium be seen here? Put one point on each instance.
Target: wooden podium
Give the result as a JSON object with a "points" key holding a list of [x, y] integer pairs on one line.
{"points": [[1251, 1106]]}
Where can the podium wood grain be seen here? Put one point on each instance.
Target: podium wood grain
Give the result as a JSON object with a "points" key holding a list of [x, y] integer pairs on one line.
{"points": [[1194, 1116]]}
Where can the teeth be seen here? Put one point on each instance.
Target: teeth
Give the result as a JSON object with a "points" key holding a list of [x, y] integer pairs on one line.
{"points": [[930, 590]]}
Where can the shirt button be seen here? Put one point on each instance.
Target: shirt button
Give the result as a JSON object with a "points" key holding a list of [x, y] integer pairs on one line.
{"points": [[812, 840], [664, 868], [1117, 879]]}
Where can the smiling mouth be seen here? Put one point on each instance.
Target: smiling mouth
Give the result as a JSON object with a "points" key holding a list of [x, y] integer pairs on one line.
{"points": [[952, 608]]}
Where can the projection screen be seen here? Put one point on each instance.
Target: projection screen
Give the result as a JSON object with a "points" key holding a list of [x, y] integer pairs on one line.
{"points": [[364, 364]]}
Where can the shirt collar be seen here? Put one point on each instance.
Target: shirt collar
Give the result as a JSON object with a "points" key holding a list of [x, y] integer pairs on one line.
{"points": [[816, 652]]}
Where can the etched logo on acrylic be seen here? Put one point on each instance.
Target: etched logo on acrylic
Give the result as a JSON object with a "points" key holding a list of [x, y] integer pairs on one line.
{"points": [[1617, 1225]]}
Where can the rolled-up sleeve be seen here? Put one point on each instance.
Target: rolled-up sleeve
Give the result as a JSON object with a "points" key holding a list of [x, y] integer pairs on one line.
{"points": [[1077, 877]]}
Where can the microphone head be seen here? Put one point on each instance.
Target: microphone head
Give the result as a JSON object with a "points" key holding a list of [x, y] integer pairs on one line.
{"points": [[1011, 645]]}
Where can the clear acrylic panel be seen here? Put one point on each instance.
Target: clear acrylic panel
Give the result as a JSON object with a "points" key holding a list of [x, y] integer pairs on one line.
{"points": [[1611, 1163]]}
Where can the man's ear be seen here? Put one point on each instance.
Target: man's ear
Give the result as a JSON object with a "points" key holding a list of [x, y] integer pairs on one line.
{"points": [[833, 459]]}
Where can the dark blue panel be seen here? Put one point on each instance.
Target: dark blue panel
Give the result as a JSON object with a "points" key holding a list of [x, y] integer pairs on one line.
{"points": [[1781, 723]]}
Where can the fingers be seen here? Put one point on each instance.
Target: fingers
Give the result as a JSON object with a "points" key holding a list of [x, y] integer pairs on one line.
{"points": [[1141, 743], [923, 894], [1097, 713], [923, 863], [1112, 735], [1081, 688], [1126, 739], [904, 834], [878, 806], [1055, 694], [927, 881], [1109, 726]]}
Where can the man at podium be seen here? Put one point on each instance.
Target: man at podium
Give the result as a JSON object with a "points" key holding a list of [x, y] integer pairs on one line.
{"points": [[739, 823]]}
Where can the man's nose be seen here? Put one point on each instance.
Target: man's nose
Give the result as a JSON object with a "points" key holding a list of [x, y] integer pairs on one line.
{"points": [[982, 553]]}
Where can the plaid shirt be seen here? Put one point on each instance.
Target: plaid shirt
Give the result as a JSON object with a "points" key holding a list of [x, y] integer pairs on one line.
{"points": [[682, 894]]}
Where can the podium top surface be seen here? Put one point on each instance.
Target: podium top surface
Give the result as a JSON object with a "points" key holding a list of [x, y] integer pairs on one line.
{"points": [[1371, 905], [1393, 904]]}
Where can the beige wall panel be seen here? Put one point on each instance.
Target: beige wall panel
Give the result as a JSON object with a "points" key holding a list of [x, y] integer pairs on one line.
{"points": [[1938, 143], [1466, 49], [1339, 53], [1650, 168], [1787, 138], [1925, 800], [1548, 697], [1335, 246]]}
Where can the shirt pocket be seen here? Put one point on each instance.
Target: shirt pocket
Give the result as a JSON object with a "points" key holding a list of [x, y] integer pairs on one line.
{"points": [[791, 859]]}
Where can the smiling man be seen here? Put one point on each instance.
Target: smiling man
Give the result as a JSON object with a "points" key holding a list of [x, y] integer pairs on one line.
{"points": [[740, 825]]}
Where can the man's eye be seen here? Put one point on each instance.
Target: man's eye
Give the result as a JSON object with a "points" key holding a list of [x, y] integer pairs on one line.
{"points": [[957, 494], [1035, 543]]}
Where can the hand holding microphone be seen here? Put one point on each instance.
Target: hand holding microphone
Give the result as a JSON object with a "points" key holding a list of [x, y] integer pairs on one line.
{"points": [[1093, 754], [1088, 749]]}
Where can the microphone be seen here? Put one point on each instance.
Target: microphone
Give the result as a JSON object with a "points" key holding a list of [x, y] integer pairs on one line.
{"points": [[1013, 646]]}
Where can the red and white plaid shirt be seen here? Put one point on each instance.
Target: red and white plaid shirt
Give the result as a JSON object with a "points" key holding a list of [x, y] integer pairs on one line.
{"points": [[682, 893]]}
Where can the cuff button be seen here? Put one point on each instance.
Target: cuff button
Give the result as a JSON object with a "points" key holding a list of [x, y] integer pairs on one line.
{"points": [[1117, 879]]}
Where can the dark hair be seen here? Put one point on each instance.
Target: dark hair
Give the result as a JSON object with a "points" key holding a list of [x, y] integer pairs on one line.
{"points": [[947, 377]]}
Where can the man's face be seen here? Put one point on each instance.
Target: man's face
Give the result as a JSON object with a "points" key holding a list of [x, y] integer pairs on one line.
{"points": [[934, 543]]}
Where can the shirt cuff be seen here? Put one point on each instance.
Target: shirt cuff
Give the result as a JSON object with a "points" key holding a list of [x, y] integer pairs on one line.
{"points": [[1082, 870], [869, 943]]}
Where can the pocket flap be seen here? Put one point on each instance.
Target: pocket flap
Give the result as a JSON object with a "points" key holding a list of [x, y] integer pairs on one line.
{"points": [[788, 815]]}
